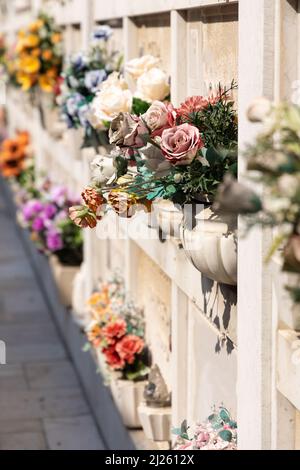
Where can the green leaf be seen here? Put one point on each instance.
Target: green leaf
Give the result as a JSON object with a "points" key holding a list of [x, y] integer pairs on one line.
{"points": [[224, 415], [176, 431], [226, 435], [87, 347], [184, 427], [139, 106]]}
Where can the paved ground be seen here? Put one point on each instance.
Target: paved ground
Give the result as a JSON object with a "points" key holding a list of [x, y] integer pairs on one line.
{"points": [[41, 402]]}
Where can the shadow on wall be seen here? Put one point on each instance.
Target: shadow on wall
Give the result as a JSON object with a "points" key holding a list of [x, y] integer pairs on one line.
{"points": [[219, 305]]}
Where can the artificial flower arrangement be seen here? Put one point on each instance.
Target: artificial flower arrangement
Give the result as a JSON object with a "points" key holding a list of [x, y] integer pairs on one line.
{"points": [[151, 83], [44, 213], [39, 53], [15, 156], [177, 154], [82, 79], [117, 331], [273, 161], [219, 432], [3, 52]]}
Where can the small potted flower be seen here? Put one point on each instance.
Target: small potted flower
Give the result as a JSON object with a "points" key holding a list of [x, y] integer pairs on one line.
{"points": [[117, 335], [155, 411], [46, 217], [218, 432]]}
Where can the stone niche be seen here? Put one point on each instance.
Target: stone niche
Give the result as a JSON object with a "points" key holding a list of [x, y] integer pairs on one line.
{"points": [[212, 47], [153, 292], [116, 41], [154, 37], [210, 375]]}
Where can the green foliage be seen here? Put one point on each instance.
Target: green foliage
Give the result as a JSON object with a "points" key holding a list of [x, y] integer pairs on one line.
{"points": [[139, 106]]}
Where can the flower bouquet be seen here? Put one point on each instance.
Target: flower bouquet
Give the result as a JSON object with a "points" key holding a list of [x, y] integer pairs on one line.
{"points": [[84, 75], [116, 333], [39, 55], [44, 213], [46, 218], [273, 161], [219, 432]]}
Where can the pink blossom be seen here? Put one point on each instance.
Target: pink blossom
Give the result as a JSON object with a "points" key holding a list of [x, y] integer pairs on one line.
{"points": [[181, 143]]}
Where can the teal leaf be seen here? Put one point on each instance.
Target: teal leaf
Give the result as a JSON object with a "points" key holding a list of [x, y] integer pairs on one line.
{"points": [[224, 415], [226, 435]]}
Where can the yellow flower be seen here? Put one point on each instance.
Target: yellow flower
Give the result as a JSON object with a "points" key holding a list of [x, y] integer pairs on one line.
{"points": [[46, 83], [36, 26], [21, 33], [32, 40], [30, 64], [26, 81], [47, 54], [21, 46], [56, 38]]}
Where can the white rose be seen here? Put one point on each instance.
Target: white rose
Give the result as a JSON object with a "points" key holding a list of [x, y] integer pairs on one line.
{"points": [[153, 85], [114, 79], [102, 169], [137, 67], [259, 110], [108, 103]]}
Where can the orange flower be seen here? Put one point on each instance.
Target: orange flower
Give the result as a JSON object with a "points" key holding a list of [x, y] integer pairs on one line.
{"points": [[56, 38], [35, 26], [32, 40], [93, 198], [23, 138], [36, 52], [47, 54]]}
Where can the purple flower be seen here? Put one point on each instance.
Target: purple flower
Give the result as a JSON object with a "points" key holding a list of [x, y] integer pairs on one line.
{"points": [[31, 209], [58, 195], [102, 32], [73, 102], [54, 241], [49, 211], [38, 224], [94, 78]]}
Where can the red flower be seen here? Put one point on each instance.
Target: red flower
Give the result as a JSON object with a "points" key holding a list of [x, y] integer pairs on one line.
{"points": [[195, 104], [114, 330], [113, 359], [129, 346]]}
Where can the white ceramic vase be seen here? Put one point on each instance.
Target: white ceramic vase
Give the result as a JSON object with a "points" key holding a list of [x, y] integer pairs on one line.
{"points": [[156, 422], [168, 216], [128, 396], [212, 246], [64, 277]]}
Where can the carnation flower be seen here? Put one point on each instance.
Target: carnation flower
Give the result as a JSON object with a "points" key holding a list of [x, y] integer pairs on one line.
{"points": [[129, 346], [115, 330], [82, 216], [122, 202], [93, 198], [195, 104], [113, 359]]}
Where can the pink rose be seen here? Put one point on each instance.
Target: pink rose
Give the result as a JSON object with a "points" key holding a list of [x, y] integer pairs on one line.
{"points": [[159, 117], [181, 143]]}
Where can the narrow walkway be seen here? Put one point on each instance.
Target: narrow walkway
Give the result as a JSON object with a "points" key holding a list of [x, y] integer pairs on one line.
{"points": [[42, 405]]}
